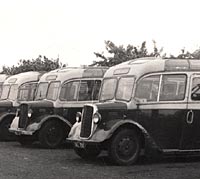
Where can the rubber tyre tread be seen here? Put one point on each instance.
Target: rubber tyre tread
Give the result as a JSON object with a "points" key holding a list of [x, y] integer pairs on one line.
{"points": [[114, 142]]}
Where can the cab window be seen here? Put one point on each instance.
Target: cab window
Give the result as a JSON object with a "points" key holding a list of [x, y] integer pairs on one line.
{"points": [[53, 90], [172, 87], [27, 92], [41, 91], [147, 88], [84, 90], [89, 90], [69, 91], [5, 92], [195, 94], [13, 92]]}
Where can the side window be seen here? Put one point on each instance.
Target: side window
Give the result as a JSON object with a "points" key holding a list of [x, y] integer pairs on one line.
{"points": [[147, 88], [85, 91], [195, 93], [173, 87], [69, 91], [96, 89]]}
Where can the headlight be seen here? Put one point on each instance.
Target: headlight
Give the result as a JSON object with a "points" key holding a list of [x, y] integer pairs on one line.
{"points": [[78, 117], [30, 113], [96, 118]]}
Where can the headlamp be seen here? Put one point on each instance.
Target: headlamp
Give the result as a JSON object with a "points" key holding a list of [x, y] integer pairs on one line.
{"points": [[96, 118], [78, 117]]}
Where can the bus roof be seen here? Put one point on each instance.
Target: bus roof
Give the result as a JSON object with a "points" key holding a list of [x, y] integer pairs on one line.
{"points": [[64, 74], [142, 66], [3, 77], [23, 78]]}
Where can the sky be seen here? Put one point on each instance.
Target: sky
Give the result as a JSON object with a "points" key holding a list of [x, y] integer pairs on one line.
{"points": [[74, 29]]}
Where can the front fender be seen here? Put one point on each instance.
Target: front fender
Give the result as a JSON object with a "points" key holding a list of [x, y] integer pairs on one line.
{"points": [[35, 126], [100, 135], [5, 115]]}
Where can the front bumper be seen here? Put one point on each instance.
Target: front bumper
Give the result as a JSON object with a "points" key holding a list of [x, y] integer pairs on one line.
{"points": [[29, 130], [20, 131], [98, 136]]}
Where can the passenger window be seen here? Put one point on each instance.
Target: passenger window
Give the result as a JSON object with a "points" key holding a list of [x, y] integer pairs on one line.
{"points": [[173, 87], [147, 88], [89, 90], [195, 94], [69, 91]]}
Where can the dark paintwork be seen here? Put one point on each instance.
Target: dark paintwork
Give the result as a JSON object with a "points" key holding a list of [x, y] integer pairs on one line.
{"points": [[165, 126]]}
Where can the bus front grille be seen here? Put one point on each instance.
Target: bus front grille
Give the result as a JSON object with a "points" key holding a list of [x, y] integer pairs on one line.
{"points": [[23, 118], [86, 122]]}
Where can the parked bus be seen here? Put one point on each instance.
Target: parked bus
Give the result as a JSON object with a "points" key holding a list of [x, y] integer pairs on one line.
{"points": [[2, 79], [16, 88], [49, 121], [146, 105]]}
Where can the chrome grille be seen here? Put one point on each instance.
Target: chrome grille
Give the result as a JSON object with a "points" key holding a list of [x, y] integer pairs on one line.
{"points": [[23, 117], [86, 122]]}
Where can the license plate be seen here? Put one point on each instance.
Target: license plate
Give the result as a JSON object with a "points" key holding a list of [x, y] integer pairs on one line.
{"points": [[80, 145]]}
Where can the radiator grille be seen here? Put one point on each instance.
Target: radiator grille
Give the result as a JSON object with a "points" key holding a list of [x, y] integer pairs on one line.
{"points": [[23, 117], [86, 122]]}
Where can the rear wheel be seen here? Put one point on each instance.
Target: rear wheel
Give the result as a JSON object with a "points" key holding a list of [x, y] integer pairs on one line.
{"points": [[5, 134], [124, 147], [89, 152], [51, 134]]}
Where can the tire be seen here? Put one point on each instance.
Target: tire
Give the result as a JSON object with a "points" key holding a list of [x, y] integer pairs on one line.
{"points": [[5, 134], [52, 134], [124, 147], [88, 153]]}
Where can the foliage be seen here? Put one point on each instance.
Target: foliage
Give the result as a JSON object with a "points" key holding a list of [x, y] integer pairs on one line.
{"points": [[121, 54], [38, 64]]}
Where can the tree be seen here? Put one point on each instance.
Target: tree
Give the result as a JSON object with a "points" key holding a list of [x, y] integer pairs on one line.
{"points": [[121, 54], [41, 63]]}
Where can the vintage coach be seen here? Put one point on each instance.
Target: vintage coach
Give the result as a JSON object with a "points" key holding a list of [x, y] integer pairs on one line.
{"points": [[145, 104], [49, 120], [15, 89]]}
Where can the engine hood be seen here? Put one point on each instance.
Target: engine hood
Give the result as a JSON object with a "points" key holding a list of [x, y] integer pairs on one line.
{"points": [[6, 103], [39, 104], [112, 106]]}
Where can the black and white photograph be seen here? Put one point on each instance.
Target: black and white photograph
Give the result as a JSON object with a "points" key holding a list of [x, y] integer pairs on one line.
{"points": [[99, 89]]}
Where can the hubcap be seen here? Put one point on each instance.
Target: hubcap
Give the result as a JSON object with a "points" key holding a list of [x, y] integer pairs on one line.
{"points": [[127, 147]]}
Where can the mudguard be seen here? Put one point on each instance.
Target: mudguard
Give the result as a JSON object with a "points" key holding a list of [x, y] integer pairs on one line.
{"points": [[100, 135], [6, 114], [33, 127]]}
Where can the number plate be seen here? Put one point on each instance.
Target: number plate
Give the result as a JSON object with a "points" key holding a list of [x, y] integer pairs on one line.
{"points": [[80, 145]]}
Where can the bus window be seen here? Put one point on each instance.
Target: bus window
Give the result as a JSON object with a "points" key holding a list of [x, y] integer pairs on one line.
{"points": [[147, 88], [41, 91], [53, 90], [173, 87], [69, 91], [195, 94]]}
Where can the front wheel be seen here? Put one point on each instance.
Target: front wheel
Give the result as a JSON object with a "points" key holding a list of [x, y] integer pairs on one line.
{"points": [[51, 134], [124, 147], [5, 135], [89, 152]]}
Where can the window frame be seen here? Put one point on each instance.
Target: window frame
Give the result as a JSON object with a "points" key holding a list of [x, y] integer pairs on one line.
{"points": [[159, 87]]}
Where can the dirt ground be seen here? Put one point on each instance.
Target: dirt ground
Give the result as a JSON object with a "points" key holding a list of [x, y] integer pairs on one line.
{"points": [[17, 162]]}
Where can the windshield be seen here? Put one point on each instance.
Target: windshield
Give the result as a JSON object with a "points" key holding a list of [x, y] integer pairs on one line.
{"points": [[5, 91], [52, 93], [108, 89], [27, 92], [1, 88], [125, 88], [41, 91], [13, 92]]}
